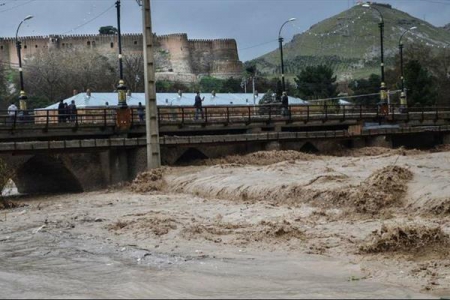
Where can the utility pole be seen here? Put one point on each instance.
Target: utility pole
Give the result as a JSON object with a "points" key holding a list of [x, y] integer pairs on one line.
{"points": [[151, 111]]}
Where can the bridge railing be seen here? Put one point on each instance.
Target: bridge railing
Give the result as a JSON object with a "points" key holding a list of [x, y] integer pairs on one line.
{"points": [[217, 114]]}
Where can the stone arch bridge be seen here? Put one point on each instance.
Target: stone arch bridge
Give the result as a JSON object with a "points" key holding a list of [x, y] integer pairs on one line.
{"points": [[46, 157]]}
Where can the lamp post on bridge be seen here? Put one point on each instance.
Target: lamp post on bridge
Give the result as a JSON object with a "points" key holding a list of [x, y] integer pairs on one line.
{"points": [[23, 96], [383, 93], [121, 88], [124, 115], [280, 39], [403, 99]]}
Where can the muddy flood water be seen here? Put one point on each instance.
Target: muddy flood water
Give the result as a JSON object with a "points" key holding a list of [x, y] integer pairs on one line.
{"points": [[63, 266], [298, 226]]}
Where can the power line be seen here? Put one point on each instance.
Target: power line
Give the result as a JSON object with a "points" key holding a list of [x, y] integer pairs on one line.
{"points": [[98, 16], [241, 49], [14, 7]]}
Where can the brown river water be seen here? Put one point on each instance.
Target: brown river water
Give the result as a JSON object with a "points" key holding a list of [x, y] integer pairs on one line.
{"points": [[48, 265]]}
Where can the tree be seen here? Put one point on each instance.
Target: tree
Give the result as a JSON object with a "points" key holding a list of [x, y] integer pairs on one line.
{"points": [[420, 84], [3, 82], [231, 85], [133, 72], [52, 75], [316, 82], [209, 84], [367, 86], [108, 30], [267, 98], [166, 86]]}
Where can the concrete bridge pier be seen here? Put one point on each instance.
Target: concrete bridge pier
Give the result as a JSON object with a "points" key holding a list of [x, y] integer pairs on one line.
{"points": [[446, 139]]}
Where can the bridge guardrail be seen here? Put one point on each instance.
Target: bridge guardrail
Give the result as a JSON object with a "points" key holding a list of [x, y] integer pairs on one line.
{"points": [[216, 114]]}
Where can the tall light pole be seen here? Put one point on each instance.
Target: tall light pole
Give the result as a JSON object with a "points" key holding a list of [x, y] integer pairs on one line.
{"points": [[23, 96], [280, 39], [383, 94], [121, 88], [403, 100]]}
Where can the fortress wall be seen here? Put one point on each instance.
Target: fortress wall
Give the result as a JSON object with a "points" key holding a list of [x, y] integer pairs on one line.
{"points": [[173, 53], [224, 50], [226, 60], [201, 56], [226, 69], [4, 51], [177, 46], [30, 46]]}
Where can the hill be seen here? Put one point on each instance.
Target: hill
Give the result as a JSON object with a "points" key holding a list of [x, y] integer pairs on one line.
{"points": [[350, 43]]}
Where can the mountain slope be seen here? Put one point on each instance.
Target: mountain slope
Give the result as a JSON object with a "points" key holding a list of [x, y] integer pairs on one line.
{"points": [[350, 42]]}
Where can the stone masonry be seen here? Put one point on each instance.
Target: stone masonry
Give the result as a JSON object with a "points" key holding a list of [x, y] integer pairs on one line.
{"points": [[176, 56]]}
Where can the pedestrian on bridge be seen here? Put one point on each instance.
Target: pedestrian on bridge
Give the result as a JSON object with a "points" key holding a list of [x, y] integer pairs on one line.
{"points": [[198, 106], [73, 111], [141, 112], [61, 112], [12, 111], [285, 104]]}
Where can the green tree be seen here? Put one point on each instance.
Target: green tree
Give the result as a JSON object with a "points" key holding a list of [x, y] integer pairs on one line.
{"points": [[209, 84], [420, 84], [3, 82], [166, 86], [108, 30], [231, 85], [267, 98], [366, 87], [316, 82]]}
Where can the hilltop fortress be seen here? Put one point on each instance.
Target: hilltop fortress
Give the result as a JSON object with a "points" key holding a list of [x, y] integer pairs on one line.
{"points": [[176, 56]]}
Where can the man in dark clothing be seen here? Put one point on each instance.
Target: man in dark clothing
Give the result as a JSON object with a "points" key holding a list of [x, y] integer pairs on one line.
{"points": [[61, 112], [285, 104], [198, 105], [66, 113], [73, 111], [141, 112]]}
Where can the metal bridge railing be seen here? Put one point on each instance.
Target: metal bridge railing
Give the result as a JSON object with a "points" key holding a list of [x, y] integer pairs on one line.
{"points": [[217, 114]]}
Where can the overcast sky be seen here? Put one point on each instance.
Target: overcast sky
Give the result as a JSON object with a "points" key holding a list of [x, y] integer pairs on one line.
{"points": [[251, 22]]}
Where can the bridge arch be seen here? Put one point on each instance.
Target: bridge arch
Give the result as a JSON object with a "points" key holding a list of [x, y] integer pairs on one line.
{"points": [[45, 174], [190, 155]]}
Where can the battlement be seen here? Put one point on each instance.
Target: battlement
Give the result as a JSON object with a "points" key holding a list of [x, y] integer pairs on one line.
{"points": [[172, 36], [182, 55]]}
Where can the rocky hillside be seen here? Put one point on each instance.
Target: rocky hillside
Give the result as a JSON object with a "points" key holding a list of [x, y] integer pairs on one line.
{"points": [[350, 42]]}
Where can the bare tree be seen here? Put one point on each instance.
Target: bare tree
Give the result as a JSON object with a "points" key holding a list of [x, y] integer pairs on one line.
{"points": [[134, 72], [53, 75]]}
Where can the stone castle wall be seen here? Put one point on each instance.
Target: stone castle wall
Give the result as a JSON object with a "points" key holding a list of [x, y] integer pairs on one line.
{"points": [[176, 56]]}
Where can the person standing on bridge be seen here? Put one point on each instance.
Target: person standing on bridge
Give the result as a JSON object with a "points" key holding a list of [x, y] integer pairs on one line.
{"points": [[12, 111], [285, 104], [73, 111], [141, 112], [198, 106], [61, 112]]}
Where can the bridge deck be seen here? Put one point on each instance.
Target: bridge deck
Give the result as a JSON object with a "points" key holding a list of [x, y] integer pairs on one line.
{"points": [[100, 122], [106, 143]]}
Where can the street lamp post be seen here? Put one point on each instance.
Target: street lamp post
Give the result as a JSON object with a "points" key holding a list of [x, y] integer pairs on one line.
{"points": [[23, 96], [121, 88], [383, 94], [403, 100], [280, 39]]}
